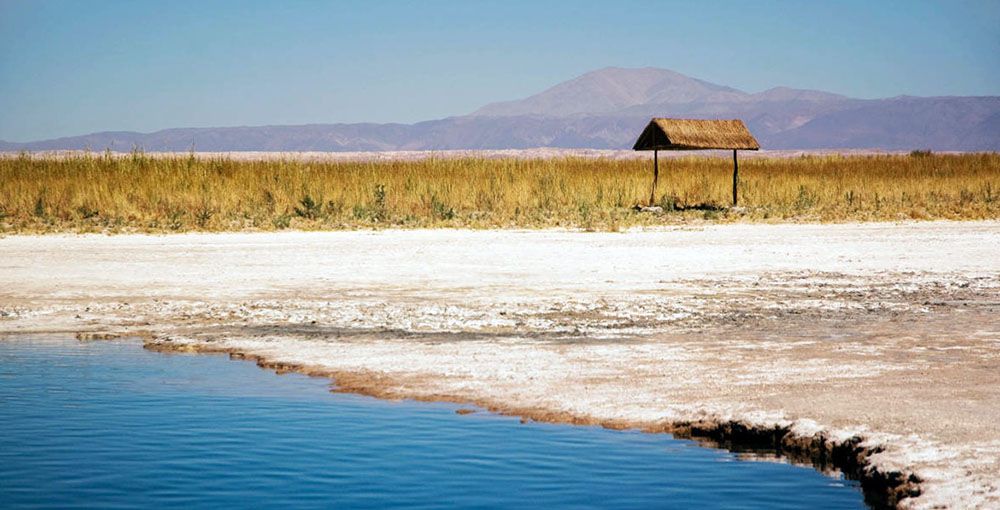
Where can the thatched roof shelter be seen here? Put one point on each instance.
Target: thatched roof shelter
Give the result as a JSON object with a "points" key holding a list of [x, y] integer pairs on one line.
{"points": [[694, 134]]}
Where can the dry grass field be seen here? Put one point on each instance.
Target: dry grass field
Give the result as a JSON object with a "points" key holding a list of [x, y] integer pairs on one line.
{"points": [[139, 193]]}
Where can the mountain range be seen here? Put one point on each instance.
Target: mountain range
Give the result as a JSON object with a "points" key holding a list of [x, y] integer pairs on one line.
{"points": [[606, 109]]}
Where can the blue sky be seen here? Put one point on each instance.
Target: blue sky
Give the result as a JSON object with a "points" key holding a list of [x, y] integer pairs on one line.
{"points": [[73, 67]]}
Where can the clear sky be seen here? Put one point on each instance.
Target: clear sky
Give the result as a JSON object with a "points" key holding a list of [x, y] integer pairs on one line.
{"points": [[73, 67]]}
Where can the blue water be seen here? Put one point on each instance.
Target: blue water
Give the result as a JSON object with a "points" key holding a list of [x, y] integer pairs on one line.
{"points": [[109, 425]]}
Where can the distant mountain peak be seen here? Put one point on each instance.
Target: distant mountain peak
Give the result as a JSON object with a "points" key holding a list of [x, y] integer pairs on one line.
{"points": [[611, 89], [790, 94]]}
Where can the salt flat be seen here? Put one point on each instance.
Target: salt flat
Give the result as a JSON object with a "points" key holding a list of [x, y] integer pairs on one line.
{"points": [[884, 335], [417, 155]]}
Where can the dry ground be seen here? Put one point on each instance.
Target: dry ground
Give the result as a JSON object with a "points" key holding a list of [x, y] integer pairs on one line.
{"points": [[884, 332]]}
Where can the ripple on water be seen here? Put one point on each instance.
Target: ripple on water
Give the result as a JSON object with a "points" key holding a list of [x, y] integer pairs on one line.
{"points": [[110, 425]]}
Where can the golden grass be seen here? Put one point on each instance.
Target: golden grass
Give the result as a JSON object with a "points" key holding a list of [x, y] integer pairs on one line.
{"points": [[102, 193]]}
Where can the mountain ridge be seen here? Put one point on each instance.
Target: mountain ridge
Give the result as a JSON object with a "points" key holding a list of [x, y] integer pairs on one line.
{"points": [[606, 109]]}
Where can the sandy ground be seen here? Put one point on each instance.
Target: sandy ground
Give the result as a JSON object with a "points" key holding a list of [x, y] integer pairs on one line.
{"points": [[885, 336]]}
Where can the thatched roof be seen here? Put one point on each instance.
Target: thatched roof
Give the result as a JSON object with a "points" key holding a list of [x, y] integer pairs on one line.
{"points": [[691, 134]]}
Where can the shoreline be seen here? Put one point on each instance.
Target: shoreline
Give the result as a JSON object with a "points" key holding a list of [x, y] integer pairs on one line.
{"points": [[850, 454], [141, 366]]}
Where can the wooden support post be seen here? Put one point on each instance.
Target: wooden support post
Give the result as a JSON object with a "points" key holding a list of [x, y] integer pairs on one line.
{"points": [[736, 176], [656, 175]]}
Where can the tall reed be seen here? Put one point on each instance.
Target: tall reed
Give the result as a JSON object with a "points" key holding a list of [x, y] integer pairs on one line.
{"points": [[106, 193]]}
